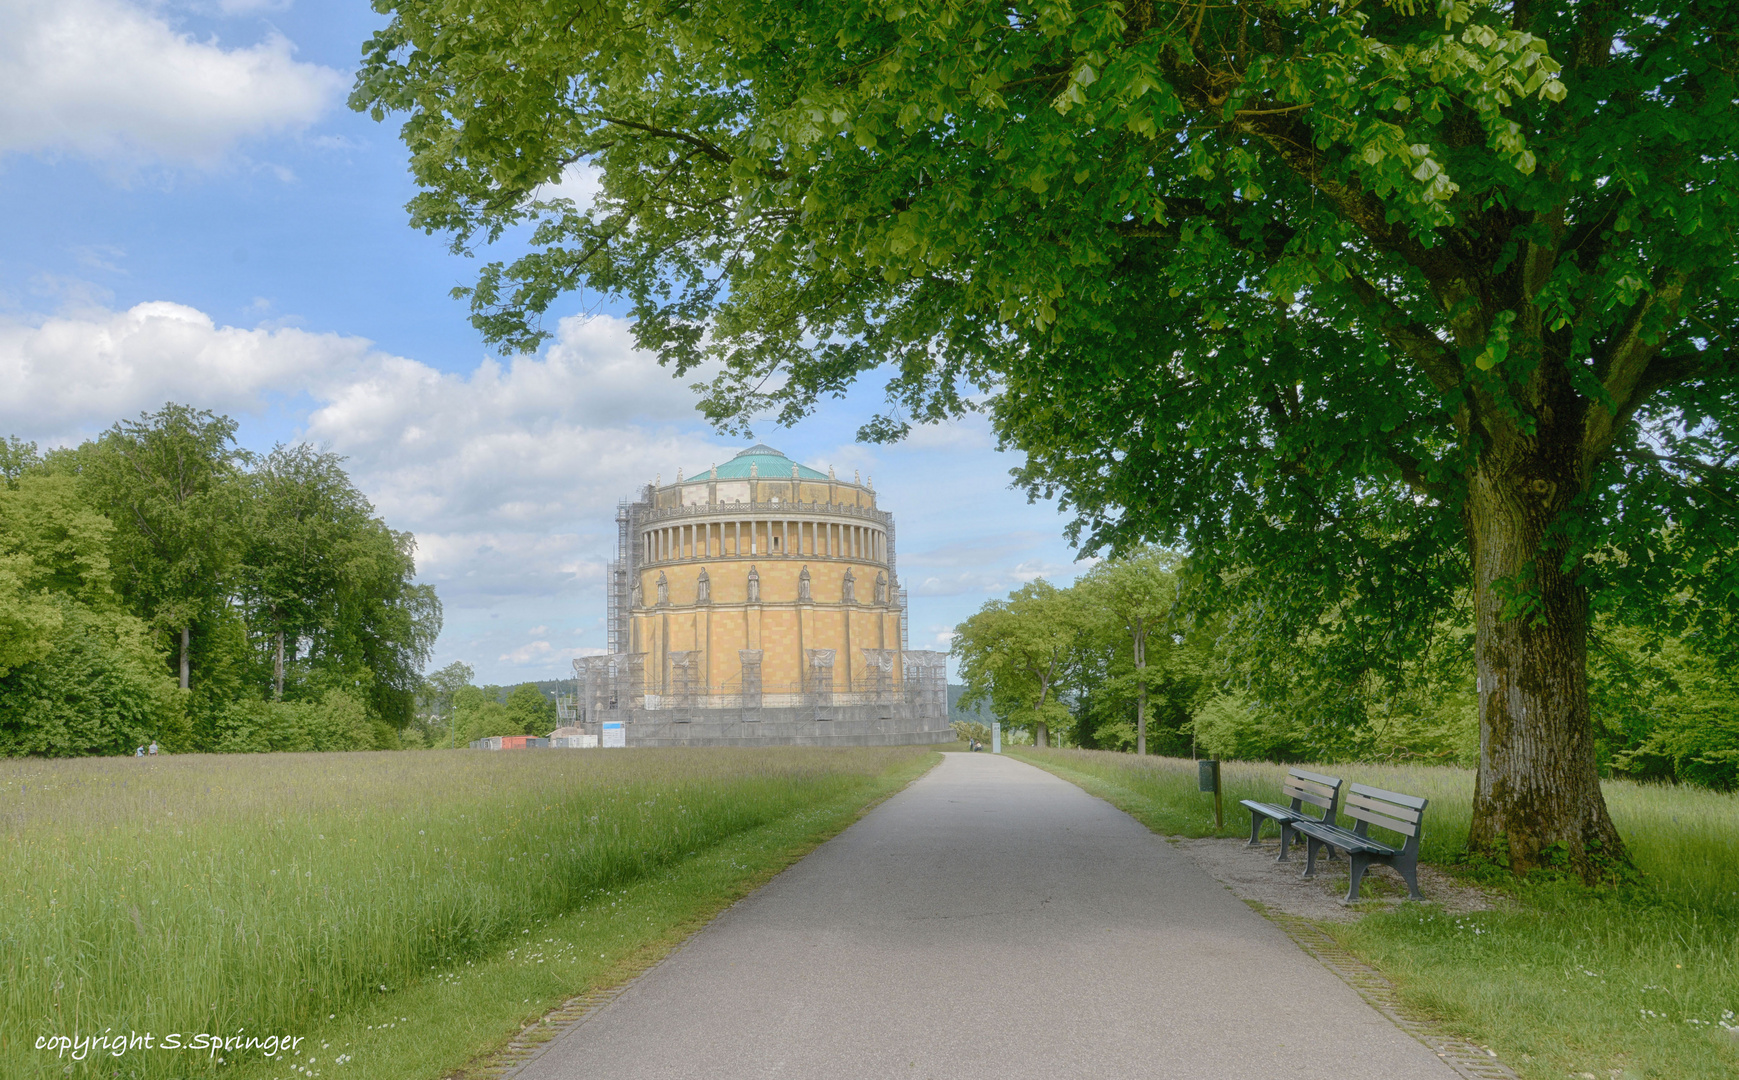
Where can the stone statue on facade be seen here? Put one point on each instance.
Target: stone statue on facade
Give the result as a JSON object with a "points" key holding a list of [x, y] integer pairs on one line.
{"points": [[803, 596], [849, 596], [663, 589], [703, 589], [754, 586], [635, 596], [881, 588]]}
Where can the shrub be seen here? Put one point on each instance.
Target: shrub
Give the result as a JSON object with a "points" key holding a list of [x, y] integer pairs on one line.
{"points": [[100, 688]]}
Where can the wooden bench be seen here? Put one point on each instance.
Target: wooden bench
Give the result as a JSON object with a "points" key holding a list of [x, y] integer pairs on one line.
{"points": [[1303, 788], [1370, 806]]}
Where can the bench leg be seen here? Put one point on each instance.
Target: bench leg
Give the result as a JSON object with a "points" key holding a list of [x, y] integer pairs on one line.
{"points": [[1286, 835], [1256, 829], [1356, 874], [1409, 871], [1311, 843]]}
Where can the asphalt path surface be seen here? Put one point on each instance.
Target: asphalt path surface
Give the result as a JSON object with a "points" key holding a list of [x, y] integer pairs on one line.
{"points": [[990, 921]]}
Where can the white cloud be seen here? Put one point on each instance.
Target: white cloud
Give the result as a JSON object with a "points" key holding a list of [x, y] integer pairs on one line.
{"points": [[525, 654], [77, 373], [995, 581], [103, 257], [556, 438], [113, 80], [251, 7], [580, 182], [508, 474], [544, 658], [970, 432]]}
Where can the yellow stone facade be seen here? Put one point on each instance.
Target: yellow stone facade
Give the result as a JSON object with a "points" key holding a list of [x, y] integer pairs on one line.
{"points": [[755, 556]]}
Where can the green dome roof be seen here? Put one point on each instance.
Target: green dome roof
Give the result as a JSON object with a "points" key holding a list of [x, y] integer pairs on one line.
{"points": [[769, 464]]}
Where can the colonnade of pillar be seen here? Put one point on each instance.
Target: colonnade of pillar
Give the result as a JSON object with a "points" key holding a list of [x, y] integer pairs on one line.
{"points": [[764, 537]]}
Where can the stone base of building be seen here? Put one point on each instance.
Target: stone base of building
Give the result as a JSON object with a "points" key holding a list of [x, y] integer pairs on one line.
{"points": [[809, 725]]}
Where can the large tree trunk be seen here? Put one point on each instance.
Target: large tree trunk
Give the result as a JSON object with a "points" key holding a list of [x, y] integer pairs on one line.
{"points": [[1538, 798], [186, 639], [278, 670], [1041, 734]]}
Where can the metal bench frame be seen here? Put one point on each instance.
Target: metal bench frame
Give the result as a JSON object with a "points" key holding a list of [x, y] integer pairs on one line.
{"points": [[1403, 814], [1302, 787]]}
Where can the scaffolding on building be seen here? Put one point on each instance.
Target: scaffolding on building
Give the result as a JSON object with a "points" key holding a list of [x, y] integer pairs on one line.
{"points": [[618, 603], [898, 591]]}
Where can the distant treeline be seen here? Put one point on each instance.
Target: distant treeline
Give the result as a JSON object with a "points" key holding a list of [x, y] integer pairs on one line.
{"points": [[452, 712], [1231, 671], [159, 583]]}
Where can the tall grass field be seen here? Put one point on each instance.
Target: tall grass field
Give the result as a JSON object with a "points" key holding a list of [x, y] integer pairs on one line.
{"points": [[322, 895], [1622, 983]]}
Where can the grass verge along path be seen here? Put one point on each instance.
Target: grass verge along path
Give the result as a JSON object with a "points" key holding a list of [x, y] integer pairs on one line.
{"points": [[1623, 983], [400, 913]]}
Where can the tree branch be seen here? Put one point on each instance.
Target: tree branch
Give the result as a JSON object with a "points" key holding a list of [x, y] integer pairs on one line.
{"points": [[1711, 472], [710, 149], [1414, 475], [1417, 341], [1626, 363]]}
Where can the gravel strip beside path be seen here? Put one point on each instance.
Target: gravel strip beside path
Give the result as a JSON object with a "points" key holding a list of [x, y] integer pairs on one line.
{"points": [[990, 921]]}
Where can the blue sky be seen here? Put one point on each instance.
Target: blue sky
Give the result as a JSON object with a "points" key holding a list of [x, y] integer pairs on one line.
{"points": [[193, 214]]}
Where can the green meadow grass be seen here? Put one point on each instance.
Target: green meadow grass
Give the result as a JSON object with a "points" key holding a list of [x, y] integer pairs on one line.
{"points": [[382, 906], [1621, 983]]}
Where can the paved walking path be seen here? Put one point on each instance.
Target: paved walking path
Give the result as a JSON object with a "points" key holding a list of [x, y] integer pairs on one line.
{"points": [[990, 921]]}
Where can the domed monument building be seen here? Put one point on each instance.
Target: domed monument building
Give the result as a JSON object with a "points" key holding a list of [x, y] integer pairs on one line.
{"points": [[757, 603]]}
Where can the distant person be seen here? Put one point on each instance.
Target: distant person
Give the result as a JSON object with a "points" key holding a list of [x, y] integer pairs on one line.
{"points": [[153, 750], [139, 752]]}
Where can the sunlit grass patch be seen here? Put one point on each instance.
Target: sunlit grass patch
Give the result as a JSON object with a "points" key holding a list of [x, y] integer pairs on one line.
{"points": [[1570, 980], [289, 892]]}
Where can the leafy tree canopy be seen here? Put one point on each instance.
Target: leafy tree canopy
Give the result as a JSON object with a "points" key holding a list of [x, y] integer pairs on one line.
{"points": [[50, 543], [1015, 654], [162, 532], [535, 713], [1270, 280], [78, 674]]}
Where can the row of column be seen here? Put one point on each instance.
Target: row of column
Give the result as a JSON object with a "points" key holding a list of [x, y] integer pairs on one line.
{"points": [[765, 537]]}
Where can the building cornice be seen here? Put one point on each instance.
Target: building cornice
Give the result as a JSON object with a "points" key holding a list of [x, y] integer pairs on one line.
{"points": [[764, 557], [741, 605], [784, 511]]}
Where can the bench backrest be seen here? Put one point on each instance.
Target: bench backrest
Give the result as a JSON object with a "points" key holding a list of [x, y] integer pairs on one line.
{"points": [[1314, 788], [1387, 810]]}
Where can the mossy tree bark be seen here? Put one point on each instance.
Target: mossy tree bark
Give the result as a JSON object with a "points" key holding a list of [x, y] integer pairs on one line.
{"points": [[1537, 797]]}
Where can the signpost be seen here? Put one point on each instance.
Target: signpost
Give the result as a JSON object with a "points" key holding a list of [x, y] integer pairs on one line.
{"points": [[996, 736], [1208, 779], [613, 735]]}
